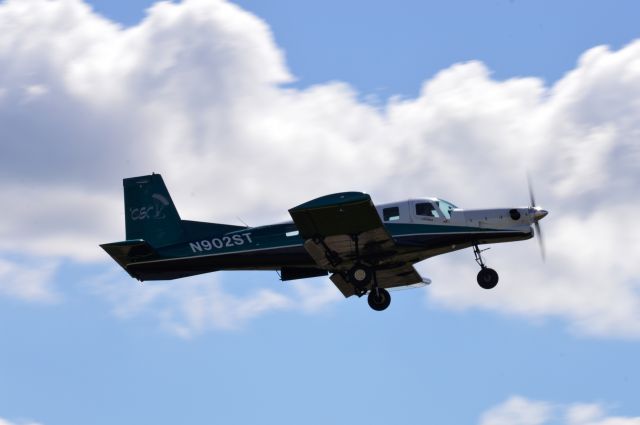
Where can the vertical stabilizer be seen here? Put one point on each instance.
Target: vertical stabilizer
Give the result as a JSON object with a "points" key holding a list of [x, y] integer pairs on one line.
{"points": [[149, 211]]}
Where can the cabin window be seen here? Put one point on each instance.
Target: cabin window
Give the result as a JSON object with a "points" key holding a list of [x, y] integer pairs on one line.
{"points": [[446, 208], [292, 233], [426, 209], [391, 214]]}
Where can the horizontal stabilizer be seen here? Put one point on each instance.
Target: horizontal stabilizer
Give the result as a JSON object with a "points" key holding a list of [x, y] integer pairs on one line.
{"points": [[127, 252]]}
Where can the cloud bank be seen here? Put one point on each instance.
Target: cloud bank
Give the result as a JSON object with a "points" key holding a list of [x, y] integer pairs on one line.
{"points": [[521, 411], [198, 91], [7, 422], [517, 410], [199, 304]]}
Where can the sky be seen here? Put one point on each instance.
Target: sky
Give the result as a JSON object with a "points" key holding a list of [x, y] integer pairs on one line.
{"points": [[249, 108]]}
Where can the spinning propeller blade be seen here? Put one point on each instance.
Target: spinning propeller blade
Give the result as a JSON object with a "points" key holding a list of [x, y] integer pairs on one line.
{"points": [[540, 241], [538, 214]]}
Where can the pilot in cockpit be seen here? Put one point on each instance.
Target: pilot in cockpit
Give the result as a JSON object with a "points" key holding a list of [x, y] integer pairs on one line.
{"points": [[426, 209]]}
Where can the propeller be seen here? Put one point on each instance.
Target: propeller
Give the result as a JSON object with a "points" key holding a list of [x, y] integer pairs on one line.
{"points": [[538, 214]]}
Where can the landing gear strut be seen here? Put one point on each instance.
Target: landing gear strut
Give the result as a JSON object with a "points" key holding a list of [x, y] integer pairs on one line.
{"points": [[361, 275], [487, 278]]}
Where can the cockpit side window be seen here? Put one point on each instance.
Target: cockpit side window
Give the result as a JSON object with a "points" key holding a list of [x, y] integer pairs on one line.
{"points": [[426, 209], [391, 214], [446, 207]]}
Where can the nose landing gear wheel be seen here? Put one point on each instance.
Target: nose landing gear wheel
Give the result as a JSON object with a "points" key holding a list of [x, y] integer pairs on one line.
{"points": [[379, 299], [487, 278]]}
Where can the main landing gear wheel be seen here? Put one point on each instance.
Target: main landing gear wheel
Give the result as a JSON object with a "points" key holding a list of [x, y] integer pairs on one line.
{"points": [[360, 275], [379, 299], [487, 278]]}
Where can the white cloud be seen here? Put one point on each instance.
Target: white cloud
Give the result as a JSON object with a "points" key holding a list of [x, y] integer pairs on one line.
{"points": [[197, 304], [20, 422], [195, 91], [517, 411], [59, 220], [521, 411], [28, 281]]}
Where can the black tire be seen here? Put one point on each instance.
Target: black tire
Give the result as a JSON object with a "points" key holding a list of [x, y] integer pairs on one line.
{"points": [[487, 278], [379, 299], [360, 275]]}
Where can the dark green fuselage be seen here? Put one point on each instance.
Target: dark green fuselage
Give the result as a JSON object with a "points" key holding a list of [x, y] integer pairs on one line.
{"points": [[160, 245], [269, 248]]}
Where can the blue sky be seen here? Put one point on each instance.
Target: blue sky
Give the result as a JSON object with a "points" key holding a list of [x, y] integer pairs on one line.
{"points": [[391, 49], [250, 110]]}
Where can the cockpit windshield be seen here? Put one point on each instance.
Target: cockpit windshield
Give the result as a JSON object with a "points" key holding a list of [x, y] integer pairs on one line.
{"points": [[446, 207]]}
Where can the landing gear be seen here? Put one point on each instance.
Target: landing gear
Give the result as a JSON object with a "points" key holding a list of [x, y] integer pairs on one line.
{"points": [[363, 278], [487, 278], [360, 275], [379, 299]]}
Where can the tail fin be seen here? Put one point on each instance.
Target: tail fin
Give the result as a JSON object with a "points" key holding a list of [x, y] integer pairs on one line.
{"points": [[149, 211]]}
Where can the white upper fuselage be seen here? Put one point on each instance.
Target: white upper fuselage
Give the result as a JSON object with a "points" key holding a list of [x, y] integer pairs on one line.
{"points": [[437, 211]]}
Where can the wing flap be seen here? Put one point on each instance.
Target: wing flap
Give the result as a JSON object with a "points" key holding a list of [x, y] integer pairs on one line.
{"points": [[338, 252], [403, 275], [399, 276], [343, 286]]}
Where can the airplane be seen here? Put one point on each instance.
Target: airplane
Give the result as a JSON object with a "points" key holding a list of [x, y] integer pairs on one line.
{"points": [[366, 248]]}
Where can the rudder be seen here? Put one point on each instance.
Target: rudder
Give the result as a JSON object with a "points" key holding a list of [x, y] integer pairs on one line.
{"points": [[149, 211]]}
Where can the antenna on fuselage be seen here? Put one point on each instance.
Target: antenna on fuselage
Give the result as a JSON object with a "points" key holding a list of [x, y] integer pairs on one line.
{"points": [[242, 221]]}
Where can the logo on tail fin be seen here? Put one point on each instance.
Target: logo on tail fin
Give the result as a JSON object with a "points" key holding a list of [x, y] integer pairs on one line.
{"points": [[153, 212]]}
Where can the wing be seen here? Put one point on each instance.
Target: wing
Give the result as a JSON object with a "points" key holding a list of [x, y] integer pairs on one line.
{"points": [[340, 213], [343, 228], [340, 228]]}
